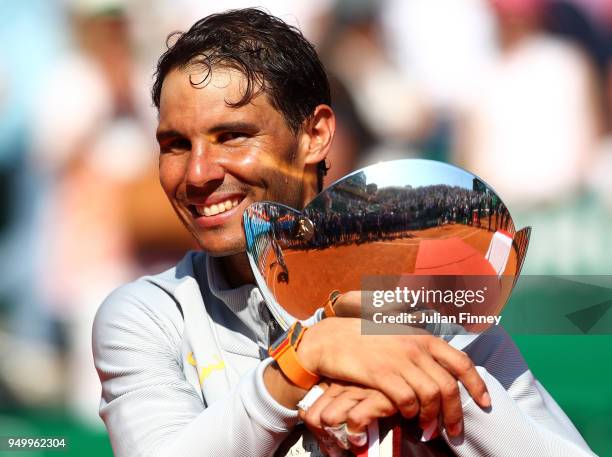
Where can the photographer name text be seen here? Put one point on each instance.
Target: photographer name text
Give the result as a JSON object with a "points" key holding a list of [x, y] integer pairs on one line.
{"points": [[424, 318]]}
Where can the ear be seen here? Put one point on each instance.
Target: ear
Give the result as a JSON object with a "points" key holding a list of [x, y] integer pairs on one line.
{"points": [[317, 135]]}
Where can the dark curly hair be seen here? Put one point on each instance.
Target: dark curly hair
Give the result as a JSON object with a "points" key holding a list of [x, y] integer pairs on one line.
{"points": [[274, 57]]}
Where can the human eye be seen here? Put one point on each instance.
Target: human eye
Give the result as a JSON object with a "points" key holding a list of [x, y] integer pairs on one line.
{"points": [[174, 145], [232, 137]]}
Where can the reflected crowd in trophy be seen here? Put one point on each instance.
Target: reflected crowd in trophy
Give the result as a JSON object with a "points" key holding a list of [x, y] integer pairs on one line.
{"points": [[398, 212], [433, 221]]}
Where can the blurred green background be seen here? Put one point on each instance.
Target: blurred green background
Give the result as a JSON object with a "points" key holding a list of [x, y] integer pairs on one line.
{"points": [[576, 370]]}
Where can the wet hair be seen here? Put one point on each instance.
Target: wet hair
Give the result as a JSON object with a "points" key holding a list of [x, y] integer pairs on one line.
{"points": [[274, 57]]}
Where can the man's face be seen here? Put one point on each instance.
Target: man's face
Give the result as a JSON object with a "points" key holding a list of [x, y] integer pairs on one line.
{"points": [[215, 160]]}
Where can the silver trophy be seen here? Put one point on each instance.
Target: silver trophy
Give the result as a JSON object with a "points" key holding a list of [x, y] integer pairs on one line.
{"points": [[419, 223], [404, 218]]}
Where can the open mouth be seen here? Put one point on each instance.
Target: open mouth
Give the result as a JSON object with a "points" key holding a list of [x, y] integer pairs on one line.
{"points": [[215, 208]]}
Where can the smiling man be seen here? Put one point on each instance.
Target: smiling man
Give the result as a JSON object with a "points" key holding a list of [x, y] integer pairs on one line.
{"points": [[245, 116], [216, 159]]}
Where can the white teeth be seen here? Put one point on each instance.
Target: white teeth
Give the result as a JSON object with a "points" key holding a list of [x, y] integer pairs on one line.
{"points": [[215, 209]]}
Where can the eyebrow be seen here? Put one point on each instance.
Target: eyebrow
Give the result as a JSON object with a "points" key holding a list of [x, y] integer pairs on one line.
{"points": [[246, 127], [162, 135]]}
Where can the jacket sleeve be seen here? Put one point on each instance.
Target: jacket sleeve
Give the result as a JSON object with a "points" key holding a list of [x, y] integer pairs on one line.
{"points": [[148, 406], [523, 419]]}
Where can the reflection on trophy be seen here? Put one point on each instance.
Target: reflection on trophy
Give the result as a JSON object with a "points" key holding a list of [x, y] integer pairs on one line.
{"points": [[392, 221]]}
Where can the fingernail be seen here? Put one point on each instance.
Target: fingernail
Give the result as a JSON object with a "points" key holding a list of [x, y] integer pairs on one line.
{"points": [[486, 400], [357, 438], [430, 430], [455, 429]]}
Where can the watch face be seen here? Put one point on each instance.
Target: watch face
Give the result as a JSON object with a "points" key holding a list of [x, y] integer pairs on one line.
{"points": [[283, 340], [275, 346], [297, 330], [421, 226]]}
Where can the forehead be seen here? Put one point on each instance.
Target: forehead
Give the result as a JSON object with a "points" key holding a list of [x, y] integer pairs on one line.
{"points": [[192, 96]]}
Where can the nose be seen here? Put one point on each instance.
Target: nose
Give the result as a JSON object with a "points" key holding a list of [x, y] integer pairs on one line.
{"points": [[204, 168]]}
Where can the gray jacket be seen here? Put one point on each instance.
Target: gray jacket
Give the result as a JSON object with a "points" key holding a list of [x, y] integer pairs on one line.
{"points": [[181, 357]]}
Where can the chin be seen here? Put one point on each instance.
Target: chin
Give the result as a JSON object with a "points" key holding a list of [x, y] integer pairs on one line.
{"points": [[226, 253], [219, 242], [222, 249]]}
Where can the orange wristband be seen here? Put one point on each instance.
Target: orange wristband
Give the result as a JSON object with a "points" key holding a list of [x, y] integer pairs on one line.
{"points": [[284, 352], [328, 309]]}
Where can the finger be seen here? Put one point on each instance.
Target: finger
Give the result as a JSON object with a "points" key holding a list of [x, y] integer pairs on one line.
{"points": [[352, 297], [375, 405], [312, 417], [450, 400], [400, 393], [336, 411], [333, 417], [348, 304], [327, 444], [427, 391], [461, 366]]}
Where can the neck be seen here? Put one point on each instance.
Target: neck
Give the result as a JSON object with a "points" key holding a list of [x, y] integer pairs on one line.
{"points": [[236, 270], [310, 189]]}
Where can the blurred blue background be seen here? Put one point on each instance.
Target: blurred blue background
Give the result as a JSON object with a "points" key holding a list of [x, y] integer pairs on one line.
{"points": [[517, 91]]}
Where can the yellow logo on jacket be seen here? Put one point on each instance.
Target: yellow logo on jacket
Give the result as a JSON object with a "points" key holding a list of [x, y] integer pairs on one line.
{"points": [[206, 370]]}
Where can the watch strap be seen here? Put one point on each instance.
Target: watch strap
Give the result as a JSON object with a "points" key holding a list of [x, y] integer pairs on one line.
{"points": [[288, 361], [328, 309]]}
